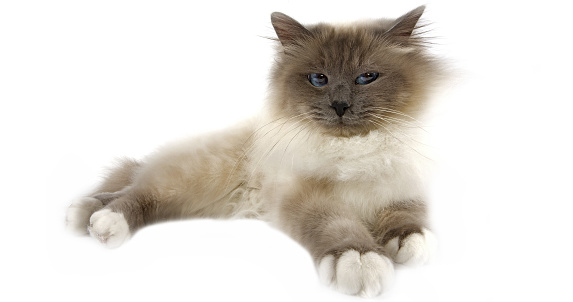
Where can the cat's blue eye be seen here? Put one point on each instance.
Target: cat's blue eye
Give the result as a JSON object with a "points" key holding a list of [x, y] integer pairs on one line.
{"points": [[317, 79], [366, 78]]}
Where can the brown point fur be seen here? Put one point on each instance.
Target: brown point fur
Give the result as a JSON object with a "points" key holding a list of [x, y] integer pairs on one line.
{"points": [[399, 220], [214, 176], [322, 222], [342, 53]]}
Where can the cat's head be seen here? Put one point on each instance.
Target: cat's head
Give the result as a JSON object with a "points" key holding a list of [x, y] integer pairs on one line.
{"points": [[352, 79]]}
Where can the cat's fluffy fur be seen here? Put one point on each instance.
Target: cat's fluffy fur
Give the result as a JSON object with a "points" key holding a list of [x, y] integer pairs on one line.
{"points": [[350, 187]]}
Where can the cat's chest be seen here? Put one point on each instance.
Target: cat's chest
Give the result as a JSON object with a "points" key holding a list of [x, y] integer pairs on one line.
{"points": [[374, 158], [368, 172], [370, 180]]}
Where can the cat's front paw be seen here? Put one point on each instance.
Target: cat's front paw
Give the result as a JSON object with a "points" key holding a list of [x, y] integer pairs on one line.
{"points": [[110, 228], [414, 250], [365, 274]]}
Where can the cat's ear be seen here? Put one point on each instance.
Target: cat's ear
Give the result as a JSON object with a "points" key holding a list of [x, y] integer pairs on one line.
{"points": [[288, 29], [401, 30]]}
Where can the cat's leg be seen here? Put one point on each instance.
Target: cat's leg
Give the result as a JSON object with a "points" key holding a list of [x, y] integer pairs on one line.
{"points": [[114, 184], [197, 178], [402, 230], [114, 223], [346, 255]]}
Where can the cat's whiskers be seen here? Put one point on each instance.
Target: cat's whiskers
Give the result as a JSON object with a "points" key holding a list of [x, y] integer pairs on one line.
{"points": [[247, 150], [252, 144], [394, 120], [385, 109], [381, 124], [293, 127], [303, 127], [296, 125]]}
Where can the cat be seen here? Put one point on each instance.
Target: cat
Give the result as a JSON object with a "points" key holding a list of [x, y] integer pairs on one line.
{"points": [[329, 161]]}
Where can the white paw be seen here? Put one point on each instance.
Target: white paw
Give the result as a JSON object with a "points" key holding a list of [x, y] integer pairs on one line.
{"points": [[416, 249], [353, 273], [79, 212], [110, 228]]}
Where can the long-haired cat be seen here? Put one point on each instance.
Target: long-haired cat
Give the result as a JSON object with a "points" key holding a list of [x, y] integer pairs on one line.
{"points": [[329, 161]]}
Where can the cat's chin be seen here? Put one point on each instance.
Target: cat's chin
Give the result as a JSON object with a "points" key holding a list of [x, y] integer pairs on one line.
{"points": [[344, 126], [343, 130]]}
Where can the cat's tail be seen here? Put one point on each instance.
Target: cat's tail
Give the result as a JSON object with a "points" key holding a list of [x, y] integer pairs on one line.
{"points": [[118, 179]]}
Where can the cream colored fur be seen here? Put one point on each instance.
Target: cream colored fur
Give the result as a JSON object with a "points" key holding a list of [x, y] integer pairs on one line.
{"points": [[247, 174], [346, 182], [371, 171]]}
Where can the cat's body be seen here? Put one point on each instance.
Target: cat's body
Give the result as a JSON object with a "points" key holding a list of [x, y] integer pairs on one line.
{"points": [[325, 162]]}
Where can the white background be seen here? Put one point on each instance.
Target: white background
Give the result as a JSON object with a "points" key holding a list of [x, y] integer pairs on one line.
{"points": [[82, 82]]}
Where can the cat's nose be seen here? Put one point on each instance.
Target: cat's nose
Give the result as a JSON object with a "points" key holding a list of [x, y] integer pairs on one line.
{"points": [[340, 107]]}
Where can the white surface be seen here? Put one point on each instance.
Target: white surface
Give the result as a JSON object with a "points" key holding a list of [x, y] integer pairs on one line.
{"points": [[83, 82]]}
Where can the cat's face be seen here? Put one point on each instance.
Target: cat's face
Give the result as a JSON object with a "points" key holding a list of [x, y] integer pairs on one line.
{"points": [[349, 80]]}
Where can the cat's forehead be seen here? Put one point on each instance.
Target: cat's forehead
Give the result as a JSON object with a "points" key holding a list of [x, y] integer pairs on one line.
{"points": [[344, 47]]}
